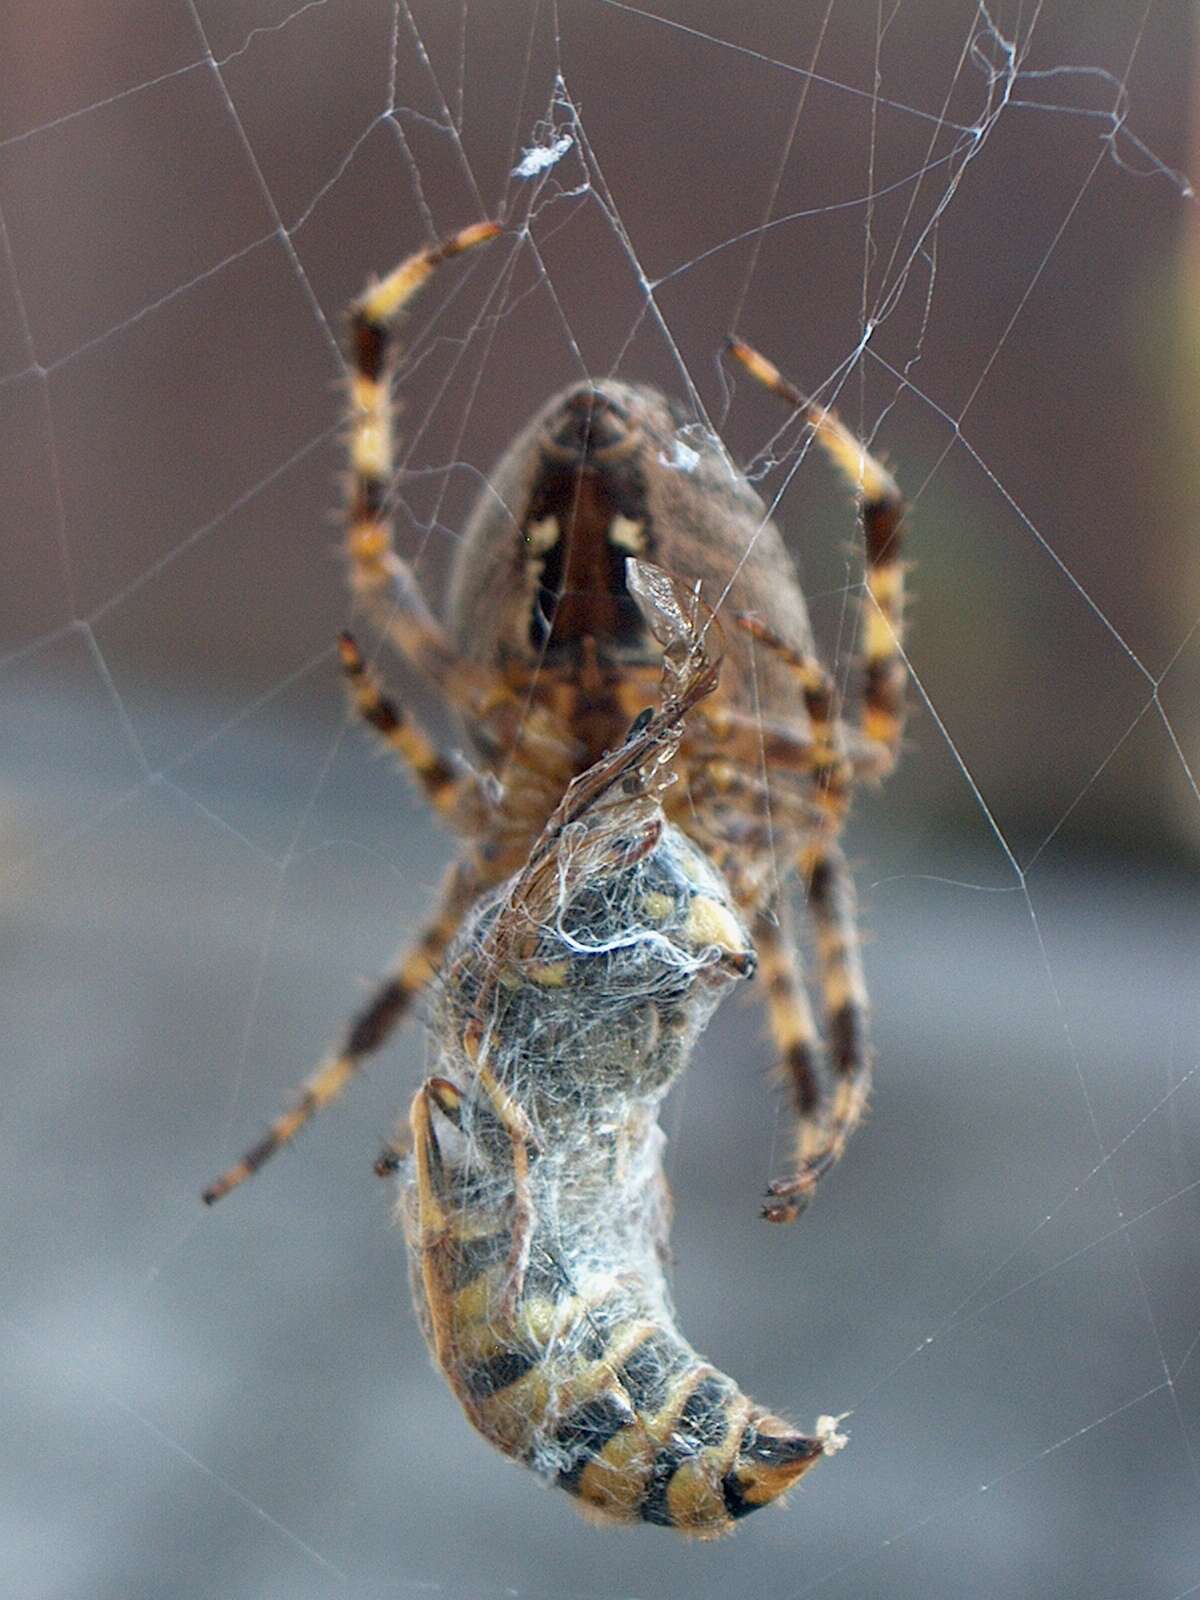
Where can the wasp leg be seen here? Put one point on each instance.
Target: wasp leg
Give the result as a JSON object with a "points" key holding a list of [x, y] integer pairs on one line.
{"points": [[523, 1143], [434, 1233]]}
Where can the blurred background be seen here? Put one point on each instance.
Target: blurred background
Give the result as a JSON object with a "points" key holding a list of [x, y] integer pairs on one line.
{"points": [[969, 224]]}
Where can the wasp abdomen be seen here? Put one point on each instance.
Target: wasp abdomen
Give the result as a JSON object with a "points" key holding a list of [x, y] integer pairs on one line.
{"points": [[700, 1461], [591, 1385]]}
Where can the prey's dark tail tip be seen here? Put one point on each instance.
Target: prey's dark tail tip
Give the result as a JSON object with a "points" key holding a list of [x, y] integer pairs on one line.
{"points": [[771, 1460]]}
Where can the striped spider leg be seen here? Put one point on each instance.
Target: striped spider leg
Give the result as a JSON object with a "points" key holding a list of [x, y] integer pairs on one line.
{"points": [[839, 746], [388, 588]]}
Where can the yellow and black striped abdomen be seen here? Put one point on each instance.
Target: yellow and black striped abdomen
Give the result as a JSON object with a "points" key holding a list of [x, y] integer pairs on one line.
{"points": [[590, 1384], [667, 1439]]}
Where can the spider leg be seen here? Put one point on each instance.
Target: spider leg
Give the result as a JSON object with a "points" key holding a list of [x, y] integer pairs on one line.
{"points": [[881, 509], [433, 1187], [742, 821], [825, 758], [449, 785], [822, 1136], [380, 579], [783, 744], [793, 1027], [743, 793], [367, 1032]]}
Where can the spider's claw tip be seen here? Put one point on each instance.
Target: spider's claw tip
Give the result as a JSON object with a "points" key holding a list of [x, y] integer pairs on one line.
{"points": [[749, 358], [468, 238]]}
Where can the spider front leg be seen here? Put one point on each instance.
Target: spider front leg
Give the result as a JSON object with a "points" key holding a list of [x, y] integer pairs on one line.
{"points": [[367, 1033], [380, 579], [881, 511], [827, 1112]]}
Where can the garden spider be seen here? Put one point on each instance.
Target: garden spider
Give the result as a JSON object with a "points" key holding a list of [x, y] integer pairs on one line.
{"points": [[546, 658]]}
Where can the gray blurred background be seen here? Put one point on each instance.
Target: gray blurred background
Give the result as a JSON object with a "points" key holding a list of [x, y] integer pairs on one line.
{"points": [[202, 864]]}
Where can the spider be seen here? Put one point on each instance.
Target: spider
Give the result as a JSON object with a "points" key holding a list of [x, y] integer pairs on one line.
{"points": [[545, 658]]}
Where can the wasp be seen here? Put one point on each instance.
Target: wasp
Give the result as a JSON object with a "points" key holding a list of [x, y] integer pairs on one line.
{"points": [[546, 656], [533, 1199]]}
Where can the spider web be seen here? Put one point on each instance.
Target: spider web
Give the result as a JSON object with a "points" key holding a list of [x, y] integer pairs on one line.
{"points": [[965, 223]]}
